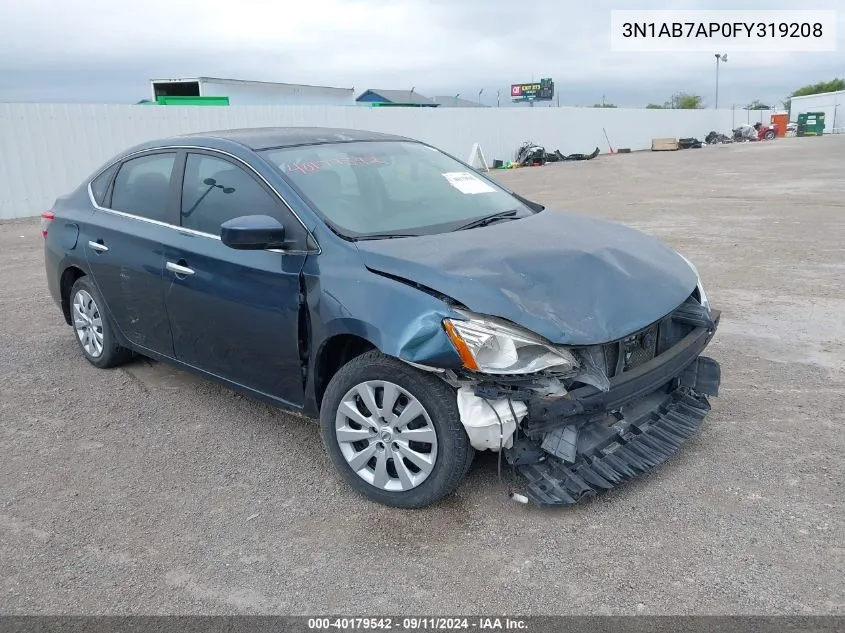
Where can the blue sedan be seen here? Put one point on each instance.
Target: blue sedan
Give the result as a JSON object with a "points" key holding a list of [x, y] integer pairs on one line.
{"points": [[419, 309]]}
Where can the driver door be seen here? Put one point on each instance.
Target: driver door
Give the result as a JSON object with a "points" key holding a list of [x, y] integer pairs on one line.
{"points": [[233, 313]]}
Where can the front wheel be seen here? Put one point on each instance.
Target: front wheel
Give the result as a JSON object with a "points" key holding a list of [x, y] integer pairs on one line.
{"points": [[769, 135], [394, 432]]}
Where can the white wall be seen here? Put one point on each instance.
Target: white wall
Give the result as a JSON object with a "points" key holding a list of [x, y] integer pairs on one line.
{"points": [[253, 93], [831, 103], [48, 149]]}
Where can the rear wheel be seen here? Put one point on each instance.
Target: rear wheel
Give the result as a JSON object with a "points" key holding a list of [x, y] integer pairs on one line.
{"points": [[93, 327], [394, 432]]}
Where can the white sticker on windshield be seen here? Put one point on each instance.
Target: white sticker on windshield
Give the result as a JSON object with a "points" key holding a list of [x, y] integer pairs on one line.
{"points": [[465, 182]]}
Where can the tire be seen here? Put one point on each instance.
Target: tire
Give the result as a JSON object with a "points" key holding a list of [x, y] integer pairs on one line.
{"points": [[89, 314], [769, 135], [381, 479]]}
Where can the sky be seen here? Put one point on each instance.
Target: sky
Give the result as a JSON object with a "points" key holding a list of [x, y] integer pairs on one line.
{"points": [[106, 51]]}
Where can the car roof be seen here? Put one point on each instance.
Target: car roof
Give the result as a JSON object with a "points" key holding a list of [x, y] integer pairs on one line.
{"points": [[267, 137]]}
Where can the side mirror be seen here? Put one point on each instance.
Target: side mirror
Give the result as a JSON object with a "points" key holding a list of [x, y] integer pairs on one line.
{"points": [[253, 232]]}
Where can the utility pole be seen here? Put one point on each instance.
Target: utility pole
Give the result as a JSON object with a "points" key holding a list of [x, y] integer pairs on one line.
{"points": [[723, 57], [498, 94], [479, 96]]}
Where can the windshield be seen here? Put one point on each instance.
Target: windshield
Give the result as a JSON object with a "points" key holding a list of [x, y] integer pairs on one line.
{"points": [[389, 188]]}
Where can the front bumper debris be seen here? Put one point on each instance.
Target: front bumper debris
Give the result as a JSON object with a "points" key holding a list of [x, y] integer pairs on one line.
{"points": [[590, 440], [645, 444]]}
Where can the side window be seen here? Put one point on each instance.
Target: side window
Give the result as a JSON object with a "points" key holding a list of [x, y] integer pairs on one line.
{"points": [[142, 186], [215, 190], [100, 184]]}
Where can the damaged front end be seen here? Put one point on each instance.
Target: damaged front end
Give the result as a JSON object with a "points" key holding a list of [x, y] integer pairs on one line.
{"points": [[577, 421]]}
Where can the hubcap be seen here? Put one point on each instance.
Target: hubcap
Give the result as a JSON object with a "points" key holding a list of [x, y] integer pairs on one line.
{"points": [[386, 436], [88, 323]]}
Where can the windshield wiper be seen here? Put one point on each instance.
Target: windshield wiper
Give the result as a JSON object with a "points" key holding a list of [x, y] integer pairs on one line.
{"points": [[487, 219], [384, 236]]}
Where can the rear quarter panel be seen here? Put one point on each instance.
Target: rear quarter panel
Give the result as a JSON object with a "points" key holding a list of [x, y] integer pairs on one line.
{"points": [[65, 237]]}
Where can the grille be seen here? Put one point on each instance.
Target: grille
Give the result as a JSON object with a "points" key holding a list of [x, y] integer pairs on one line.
{"points": [[640, 347], [631, 351]]}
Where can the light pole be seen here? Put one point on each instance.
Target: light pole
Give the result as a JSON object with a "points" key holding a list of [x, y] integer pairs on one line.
{"points": [[719, 58], [499, 92], [456, 98], [479, 96]]}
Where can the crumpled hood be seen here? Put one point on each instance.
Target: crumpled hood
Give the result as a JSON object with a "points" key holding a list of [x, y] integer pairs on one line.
{"points": [[573, 279]]}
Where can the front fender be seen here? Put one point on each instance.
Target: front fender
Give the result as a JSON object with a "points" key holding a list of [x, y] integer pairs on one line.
{"points": [[396, 318]]}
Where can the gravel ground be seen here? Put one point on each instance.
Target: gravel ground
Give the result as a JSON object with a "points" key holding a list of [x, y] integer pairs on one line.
{"points": [[147, 490]]}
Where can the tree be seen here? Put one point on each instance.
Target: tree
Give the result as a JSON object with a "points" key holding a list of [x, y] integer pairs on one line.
{"points": [[833, 85], [679, 101], [604, 105], [685, 101]]}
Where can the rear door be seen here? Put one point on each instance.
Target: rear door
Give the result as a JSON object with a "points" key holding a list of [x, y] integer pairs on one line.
{"points": [[234, 313], [124, 246]]}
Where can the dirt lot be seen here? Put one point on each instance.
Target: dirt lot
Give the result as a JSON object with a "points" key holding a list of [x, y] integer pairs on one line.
{"points": [[146, 490]]}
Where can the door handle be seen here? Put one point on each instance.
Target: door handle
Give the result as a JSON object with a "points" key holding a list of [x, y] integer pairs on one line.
{"points": [[179, 270], [97, 246]]}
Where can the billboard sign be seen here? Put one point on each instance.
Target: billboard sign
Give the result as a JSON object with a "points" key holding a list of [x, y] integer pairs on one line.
{"points": [[544, 90]]}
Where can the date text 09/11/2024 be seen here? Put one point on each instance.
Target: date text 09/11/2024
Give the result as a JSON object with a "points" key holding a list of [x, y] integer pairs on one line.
{"points": [[417, 624], [723, 29]]}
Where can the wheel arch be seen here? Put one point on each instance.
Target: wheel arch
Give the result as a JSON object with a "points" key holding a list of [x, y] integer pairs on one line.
{"points": [[68, 278], [333, 354]]}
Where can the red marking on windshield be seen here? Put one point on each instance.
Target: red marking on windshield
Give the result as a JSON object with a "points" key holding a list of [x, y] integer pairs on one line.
{"points": [[319, 165]]}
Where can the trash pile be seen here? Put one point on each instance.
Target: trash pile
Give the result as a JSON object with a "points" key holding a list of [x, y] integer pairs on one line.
{"points": [[530, 154], [674, 144], [745, 133], [689, 143], [716, 138]]}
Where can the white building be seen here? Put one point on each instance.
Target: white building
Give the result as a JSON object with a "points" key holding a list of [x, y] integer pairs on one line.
{"points": [[831, 103], [242, 92]]}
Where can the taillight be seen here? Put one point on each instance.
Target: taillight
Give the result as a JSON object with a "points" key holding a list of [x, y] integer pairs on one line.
{"points": [[46, 218]]}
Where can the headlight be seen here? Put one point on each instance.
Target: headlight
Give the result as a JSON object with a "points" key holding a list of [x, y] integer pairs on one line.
{"points": [[699, 286], [491, 346]]}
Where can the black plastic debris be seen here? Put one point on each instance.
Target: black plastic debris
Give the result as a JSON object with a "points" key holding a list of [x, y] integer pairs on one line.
{"points": [[532, 154], [524, 451], [689, 143], [562, 442], [644, 445], [715, 138], [558, 156]]}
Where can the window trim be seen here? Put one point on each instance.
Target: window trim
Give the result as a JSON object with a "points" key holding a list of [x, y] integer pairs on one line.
{"points": [[309, 237]]}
